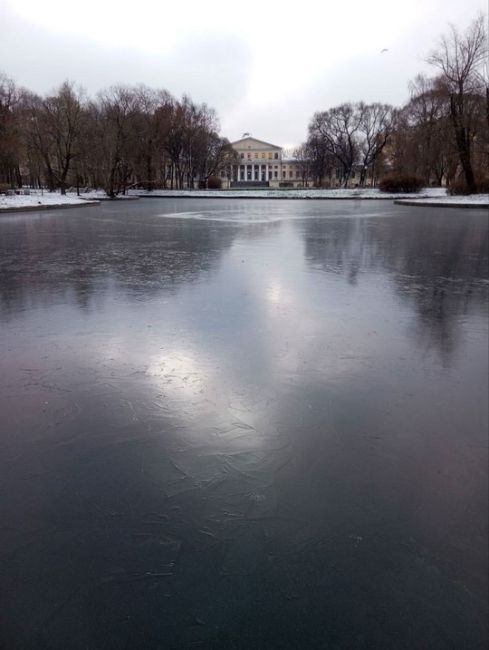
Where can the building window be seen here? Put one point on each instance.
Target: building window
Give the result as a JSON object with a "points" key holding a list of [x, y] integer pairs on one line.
{"points": [[276, 156], [263, 155], [248, 155], [275, 174], [256, 154], [284, 175], [242, 155]]}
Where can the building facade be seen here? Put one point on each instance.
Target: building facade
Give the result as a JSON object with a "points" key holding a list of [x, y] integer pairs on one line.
{"points": [[261, 164]]}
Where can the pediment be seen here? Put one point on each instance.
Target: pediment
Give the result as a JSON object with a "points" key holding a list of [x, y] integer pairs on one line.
{"points": [[253, 144]]}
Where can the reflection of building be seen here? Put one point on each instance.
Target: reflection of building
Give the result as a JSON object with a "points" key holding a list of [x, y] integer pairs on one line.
{"points": [[262, 164]]}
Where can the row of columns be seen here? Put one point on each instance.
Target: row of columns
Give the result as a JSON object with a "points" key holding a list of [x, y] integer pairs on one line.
{"points": [[268, 174]]}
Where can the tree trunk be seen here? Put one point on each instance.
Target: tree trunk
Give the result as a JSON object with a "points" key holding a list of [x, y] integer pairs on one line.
{"points": [[149, 184], [462, 140], [363, 174]]}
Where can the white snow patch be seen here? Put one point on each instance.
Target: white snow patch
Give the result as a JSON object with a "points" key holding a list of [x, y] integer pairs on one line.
{"points": [[36, 197], [469, 199], [100, 195], [366, 193]]}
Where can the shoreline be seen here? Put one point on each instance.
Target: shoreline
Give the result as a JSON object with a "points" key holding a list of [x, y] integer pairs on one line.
{"points": [[267, 198], [420, 203], [54, 206]]}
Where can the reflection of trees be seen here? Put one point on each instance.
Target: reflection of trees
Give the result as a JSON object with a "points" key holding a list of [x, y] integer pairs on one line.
{"points": [[442, 270], [339, 248], [439, 263], [44, 260]]}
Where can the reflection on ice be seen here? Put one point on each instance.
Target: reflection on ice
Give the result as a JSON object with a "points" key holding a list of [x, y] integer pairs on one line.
{"points": [[178, 374], [264, 426]]}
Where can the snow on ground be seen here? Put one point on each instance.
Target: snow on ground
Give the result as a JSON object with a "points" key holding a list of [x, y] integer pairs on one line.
{"points": [[469, 199], [101, 195], [38, 198], [366, 193], [427, 196], [432, 195]]}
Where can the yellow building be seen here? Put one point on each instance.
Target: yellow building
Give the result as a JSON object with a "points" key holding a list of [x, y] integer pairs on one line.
{"points": [[261, 164]]}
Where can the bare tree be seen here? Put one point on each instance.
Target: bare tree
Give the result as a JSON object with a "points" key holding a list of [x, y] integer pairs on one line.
{"points": [[148, 140], [338, 129], [54, 129], [215, 155], [376, 123], [114, 118], [322, 162], [10, 136], [428, 124], [460, 58], [304, 157]]}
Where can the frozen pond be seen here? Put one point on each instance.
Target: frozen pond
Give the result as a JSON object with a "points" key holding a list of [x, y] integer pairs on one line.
{"points": [[250, 424]]}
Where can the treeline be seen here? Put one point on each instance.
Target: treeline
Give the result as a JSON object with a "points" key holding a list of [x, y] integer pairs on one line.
{"points": [[440, 136], [139, 136], [125, 136]]}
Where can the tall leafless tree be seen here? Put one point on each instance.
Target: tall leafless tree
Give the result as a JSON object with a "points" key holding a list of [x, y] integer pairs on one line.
{"points": [[460, 58], [338, 129], [55, 125], [304, 158], [10, 132], [376, 123]]}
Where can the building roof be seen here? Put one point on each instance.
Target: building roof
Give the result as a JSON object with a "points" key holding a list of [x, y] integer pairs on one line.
{"points": [[254, 140]]}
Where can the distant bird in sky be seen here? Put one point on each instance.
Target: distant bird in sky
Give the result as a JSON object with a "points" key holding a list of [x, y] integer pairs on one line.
{"points": [[386, 49]]}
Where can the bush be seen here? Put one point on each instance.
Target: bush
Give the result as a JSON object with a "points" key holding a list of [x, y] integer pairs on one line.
{"points": [[404, 183], [4, 187], [483, 185], [459, 187], [214, 183]]}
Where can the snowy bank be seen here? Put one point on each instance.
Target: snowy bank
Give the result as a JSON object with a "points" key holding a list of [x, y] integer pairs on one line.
{"points": [[37, 200], [101, 195], [430, 196], [366, 193], [468, 201]]}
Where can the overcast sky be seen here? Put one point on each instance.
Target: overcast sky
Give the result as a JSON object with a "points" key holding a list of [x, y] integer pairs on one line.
{"points": [[265, 65]]}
